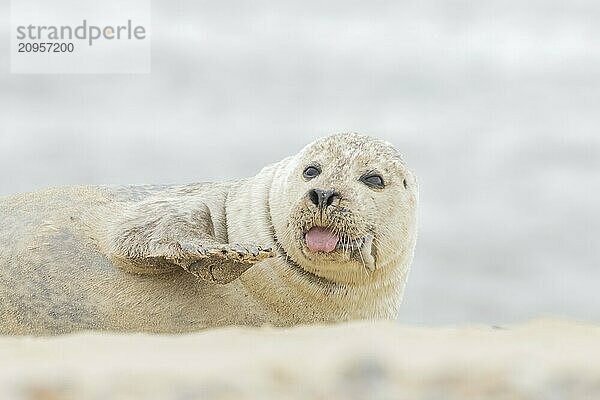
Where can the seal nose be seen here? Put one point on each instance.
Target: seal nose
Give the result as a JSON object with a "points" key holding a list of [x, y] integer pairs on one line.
{"points": [[322, 198]]}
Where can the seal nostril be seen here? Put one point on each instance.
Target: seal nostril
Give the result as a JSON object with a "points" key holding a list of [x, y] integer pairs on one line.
{"points": [[330, 197], [322, 198], [314, 197]]}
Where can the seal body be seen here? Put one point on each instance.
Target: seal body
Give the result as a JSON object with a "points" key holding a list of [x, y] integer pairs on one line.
{"points": [[284, 247]]}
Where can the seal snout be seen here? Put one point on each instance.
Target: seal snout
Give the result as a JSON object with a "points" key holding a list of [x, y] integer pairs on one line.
{"points": [[322, 198], [321, 239]]}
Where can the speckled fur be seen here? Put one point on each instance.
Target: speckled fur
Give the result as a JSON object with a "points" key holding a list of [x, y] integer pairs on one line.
{"points": [[120, 258]]}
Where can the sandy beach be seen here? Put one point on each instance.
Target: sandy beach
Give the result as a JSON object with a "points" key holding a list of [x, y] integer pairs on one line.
{"points": [[541, 359]]}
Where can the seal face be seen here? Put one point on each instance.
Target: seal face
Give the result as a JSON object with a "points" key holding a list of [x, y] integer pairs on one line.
{"points": [[344, 207], [326, 235]]}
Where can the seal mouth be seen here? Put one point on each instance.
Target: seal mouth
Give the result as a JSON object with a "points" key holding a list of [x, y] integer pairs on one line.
{"points": [[321, 239], [324, 241]]}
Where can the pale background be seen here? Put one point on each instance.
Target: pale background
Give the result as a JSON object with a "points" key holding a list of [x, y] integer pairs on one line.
{"points": [[495, 105]]}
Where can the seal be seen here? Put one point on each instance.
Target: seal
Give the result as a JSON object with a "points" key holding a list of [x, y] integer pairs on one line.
{"points": [[325, 235]]}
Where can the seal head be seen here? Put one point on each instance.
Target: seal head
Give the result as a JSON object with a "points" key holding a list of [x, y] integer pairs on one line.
{"points": [[344, 209]]}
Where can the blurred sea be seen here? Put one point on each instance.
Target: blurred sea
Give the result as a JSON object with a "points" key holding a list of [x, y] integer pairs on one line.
{"points": [[495, 105]]}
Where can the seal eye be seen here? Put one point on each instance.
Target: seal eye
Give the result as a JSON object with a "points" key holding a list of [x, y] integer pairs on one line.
{"points": [[310, 172], [373, 180]]}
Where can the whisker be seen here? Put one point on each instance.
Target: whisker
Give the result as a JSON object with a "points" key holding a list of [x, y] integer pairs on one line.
{"points": [[363, 261]]}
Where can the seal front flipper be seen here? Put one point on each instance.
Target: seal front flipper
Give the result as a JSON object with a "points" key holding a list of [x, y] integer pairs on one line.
{"points": [[175, 229], [220, 263]]}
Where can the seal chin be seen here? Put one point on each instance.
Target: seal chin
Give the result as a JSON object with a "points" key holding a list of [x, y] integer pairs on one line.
{"points": [[323, 244]]}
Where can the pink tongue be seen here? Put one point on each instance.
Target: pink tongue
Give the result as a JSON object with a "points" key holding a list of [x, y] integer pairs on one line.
{"points": [[321, 239]]}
